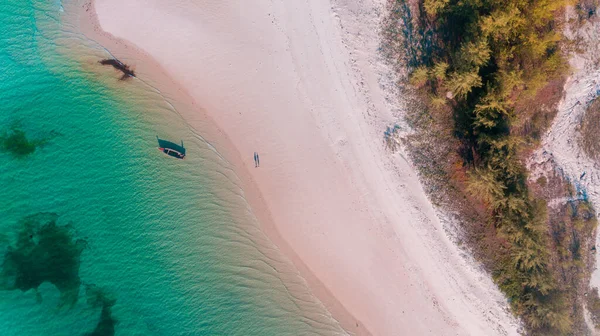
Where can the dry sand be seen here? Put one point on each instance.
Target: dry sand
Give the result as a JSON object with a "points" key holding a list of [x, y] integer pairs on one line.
{"points": [[300, 82]]}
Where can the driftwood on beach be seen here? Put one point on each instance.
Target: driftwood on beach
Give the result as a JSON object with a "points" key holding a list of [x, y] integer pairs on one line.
{"points": [[127, 72]]}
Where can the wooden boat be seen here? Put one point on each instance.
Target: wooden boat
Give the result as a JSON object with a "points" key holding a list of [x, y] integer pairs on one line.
{"points": [[171, 148]]}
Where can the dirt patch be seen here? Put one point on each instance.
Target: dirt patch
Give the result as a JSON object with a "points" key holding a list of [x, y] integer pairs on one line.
{"points": [[589, 139]]}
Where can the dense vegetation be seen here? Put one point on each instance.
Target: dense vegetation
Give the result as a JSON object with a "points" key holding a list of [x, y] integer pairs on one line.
{"points": [[493, 69]]}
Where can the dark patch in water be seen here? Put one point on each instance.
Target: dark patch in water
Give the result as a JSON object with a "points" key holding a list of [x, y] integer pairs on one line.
{"points": [[96, 297], [124, 68], [15, 141], [43, 252]]}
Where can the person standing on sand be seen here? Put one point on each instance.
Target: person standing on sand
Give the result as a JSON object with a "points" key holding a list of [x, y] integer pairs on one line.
{"points": [[255, 159]]}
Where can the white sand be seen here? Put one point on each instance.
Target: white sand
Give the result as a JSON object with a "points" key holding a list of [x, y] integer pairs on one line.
{"points": [[299, 82]]}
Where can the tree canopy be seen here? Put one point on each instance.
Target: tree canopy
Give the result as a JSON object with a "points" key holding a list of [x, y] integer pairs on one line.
{"points": [[488, 56]]}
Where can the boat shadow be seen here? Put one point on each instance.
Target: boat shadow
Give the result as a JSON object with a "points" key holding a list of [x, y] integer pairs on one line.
{"points": [[171, 148]]}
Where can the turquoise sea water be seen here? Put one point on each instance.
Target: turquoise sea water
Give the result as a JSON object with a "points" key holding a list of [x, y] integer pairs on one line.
{"points": [[100, 233]]}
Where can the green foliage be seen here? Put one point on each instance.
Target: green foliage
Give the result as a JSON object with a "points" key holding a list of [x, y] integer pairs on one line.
{"points": [[483, 185], [490, 112], [440, 70], [461, 84], [509, 82], [491, 55], [475, 54], [437, 102], [549, 313], [419, 76], [433, 7]]}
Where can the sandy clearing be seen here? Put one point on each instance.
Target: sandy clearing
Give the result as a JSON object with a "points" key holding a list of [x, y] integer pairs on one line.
{"points": [[301, 83]]}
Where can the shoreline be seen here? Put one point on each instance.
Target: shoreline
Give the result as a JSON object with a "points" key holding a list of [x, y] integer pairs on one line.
{"points": [[150, 70], [376, 250]]}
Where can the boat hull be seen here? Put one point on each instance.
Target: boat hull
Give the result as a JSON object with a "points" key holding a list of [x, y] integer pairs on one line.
{"points": [[172, 149], [173, 153]]}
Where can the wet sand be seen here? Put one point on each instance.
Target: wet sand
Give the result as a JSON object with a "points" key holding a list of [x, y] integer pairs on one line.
{"points": [[299, 83]]}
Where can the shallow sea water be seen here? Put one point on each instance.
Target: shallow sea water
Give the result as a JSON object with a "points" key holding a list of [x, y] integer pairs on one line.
{"points": [[101, 233]]}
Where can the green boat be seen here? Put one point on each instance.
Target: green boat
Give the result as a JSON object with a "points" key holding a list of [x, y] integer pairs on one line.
{"points": [[171, 148]]}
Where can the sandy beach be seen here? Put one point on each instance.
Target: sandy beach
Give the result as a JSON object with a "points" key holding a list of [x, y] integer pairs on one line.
{"points": [[301, 84]]}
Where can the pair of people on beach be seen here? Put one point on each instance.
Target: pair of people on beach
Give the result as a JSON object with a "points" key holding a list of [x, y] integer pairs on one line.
{"points": [[256, 160]]}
